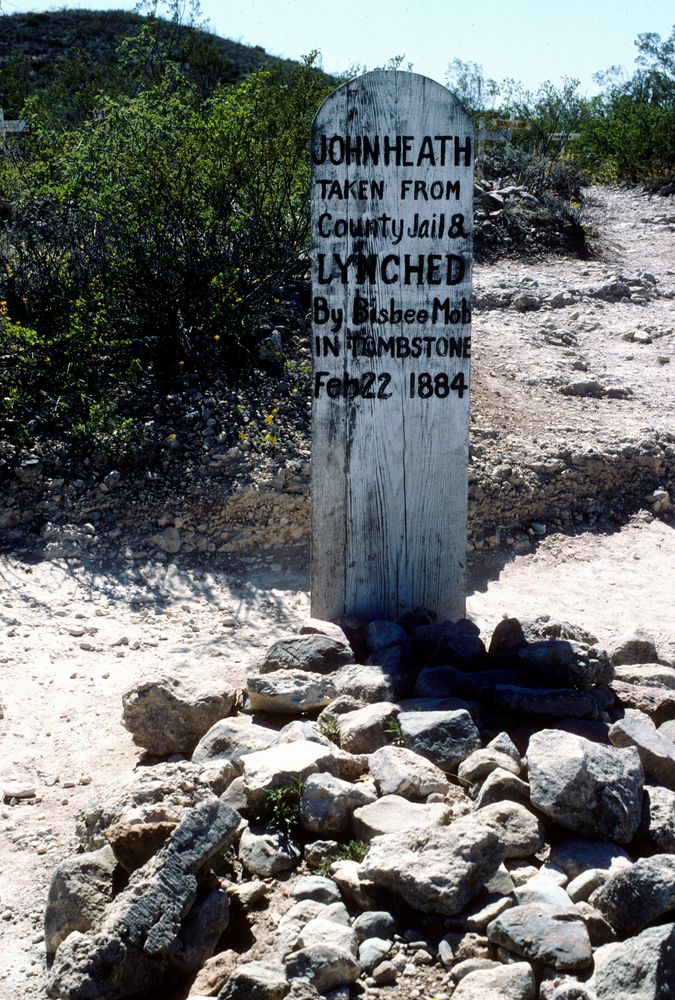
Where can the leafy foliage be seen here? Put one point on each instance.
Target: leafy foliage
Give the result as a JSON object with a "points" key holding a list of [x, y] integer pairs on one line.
{"points": [[354, 850], [625, 133], [281, 807], [152, 239]]}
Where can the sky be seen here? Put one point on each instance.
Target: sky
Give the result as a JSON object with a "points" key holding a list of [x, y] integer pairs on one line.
{"points": [[528, 40]]}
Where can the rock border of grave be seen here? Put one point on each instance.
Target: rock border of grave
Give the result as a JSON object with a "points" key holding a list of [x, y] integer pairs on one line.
{"points": [[501, 853]]}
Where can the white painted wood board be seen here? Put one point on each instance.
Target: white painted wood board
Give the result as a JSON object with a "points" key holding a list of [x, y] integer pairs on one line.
{"points": [[392, 189]]}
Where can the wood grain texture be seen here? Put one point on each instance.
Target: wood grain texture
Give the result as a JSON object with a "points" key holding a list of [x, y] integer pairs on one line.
{"points": [[389, 474]]}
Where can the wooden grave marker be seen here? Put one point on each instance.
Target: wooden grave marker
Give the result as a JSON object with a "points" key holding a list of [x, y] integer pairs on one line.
{"points": [[392, 215]]}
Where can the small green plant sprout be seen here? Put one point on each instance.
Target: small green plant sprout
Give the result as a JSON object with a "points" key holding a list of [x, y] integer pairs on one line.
{"points": [[281, 806], [329, 727], [354, 850], [394, 732]]}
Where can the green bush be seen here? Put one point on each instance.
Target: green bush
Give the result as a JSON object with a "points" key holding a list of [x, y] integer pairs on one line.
{"points": [[152, 240]]}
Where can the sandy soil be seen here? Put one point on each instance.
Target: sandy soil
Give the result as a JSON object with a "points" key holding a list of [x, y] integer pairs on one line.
{"points": [[74, 636]]}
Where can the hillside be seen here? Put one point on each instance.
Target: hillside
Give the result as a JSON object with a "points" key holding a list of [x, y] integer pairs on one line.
{"points": [[36, 47]]}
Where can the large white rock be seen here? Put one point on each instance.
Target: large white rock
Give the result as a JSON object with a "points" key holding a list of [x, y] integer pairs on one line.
{"points": [[640, 968], [438, 870], [167, 715], [517, 826], [289, 692], [507, 982], [280, 765], [80, 889], [327, 804], [394, 814], [656, 751], [365, 729], [399, 771], [585, 786]]}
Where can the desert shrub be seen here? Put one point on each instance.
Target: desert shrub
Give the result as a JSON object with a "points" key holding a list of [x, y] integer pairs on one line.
{"points": [[152, 240]]}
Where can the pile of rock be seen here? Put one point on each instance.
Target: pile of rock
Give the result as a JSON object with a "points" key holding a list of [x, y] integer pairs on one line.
{"points": [[481, 823]]}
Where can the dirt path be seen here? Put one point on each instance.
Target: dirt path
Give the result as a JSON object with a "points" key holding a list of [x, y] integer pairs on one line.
{"points": [[74, 636]]}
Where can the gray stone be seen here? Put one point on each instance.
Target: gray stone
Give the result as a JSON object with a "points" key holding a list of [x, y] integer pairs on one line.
{"points": [[599, 930], [571, 989], [151, 794], [321, 929], [462, 969], [541, 889], [372, 951], [315, 626], [526, 302], [385, 974], [371, 683], [455, 643], [641, 968], [506, 982], [302, 729], [565, 663], [657, 752], [503, 743], [327, 804], [576, 855], [499, 785], [634, 647], [399, 771], [356, 890], [647, 674], [557, 703], [656, 833], [544, 934], [322, 890], [375, 923], [325, 965], [299, 915], [382, 633], [581, 887], [445, 738], [586, 787], [657, 703], [268, 852], [235, 795], [214, 974], [366, 729], [289, 692], [519, 829], [80, 889], [281, 765], [317, 654], [394, 814], [319, 851], [481, 763], [438, 870], [152, 928], [256, 981], [167, 715], [583, 387], [667, 729], [229, 739], [512, 634], [635, 897]]}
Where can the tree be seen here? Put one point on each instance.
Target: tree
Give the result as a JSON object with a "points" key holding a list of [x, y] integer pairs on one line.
{"points": [[467, 82]]}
